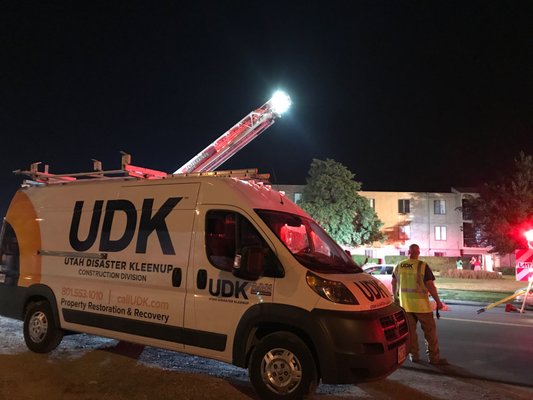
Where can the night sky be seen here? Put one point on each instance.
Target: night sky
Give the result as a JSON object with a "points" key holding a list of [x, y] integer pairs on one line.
{"points": [[409, 95]]}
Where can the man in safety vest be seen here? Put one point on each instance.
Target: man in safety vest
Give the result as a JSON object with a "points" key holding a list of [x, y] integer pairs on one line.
{"points": [[412, 279]]}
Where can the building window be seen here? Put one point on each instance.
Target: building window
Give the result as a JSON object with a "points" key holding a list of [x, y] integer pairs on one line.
{"points": [[440, 233], [467, 209], [439, 206], [372, 203], [403, 253], [405, 232], [297, 197], [403, 206], [471, 235], [369, 253], [440, 254]]}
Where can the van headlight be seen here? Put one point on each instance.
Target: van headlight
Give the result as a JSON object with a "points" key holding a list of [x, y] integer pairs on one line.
{"points": [[333, 291]]}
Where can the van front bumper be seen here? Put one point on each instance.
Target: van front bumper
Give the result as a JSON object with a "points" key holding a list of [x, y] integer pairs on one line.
{"points": [[361, 346]]}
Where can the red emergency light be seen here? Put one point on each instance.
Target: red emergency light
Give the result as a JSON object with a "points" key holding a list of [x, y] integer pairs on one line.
{"points": [[529, 237]]}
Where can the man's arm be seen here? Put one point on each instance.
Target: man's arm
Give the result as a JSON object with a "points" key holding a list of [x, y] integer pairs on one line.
{"points": [[432, 289], [393, 283]]}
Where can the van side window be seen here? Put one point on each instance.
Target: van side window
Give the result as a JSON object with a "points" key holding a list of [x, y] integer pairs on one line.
{"points": [[9, 256], [220, 238], [228, 233]]}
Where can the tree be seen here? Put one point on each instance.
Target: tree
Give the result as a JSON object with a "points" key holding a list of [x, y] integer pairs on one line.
{"points": [[331, 198], [504, 209]]}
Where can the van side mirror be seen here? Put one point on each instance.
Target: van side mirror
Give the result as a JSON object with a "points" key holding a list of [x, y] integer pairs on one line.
{"points": [[250, 264]]}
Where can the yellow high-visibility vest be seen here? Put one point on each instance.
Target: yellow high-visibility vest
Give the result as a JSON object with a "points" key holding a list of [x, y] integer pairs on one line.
{"points": [[412, 290]]}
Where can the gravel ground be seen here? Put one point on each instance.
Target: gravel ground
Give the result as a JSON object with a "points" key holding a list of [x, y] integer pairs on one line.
{"points": [[87, 367]]}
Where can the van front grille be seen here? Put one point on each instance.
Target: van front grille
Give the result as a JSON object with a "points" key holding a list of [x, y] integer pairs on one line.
{"points": [[394, 328]]}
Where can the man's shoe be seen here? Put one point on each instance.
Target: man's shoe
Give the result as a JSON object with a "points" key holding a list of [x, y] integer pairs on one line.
{"points": [[413, 358], [440, 361]]}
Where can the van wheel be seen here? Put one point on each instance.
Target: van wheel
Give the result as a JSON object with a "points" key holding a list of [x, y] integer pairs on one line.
{"points": [[40, 331], [282, 367]]}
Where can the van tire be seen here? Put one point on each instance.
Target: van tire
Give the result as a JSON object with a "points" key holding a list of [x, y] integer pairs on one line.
{"points": [[282, 367], [41, 333]]}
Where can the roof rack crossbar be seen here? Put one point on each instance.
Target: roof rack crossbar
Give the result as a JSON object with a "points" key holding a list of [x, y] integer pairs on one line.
{"points": [[127, 170]]}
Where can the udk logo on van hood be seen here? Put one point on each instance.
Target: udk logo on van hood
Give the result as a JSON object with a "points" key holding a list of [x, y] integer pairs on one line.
{"points": [[148, 224], [372, 290]]}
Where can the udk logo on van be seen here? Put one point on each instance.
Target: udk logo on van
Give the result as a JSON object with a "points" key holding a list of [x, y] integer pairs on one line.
{"points": [[147, 225], [371, 290], [227, 288]]}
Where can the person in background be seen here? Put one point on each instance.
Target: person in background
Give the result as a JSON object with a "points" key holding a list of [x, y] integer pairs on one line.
{"points": [[472, 263], [412, 279], [459, 264]]}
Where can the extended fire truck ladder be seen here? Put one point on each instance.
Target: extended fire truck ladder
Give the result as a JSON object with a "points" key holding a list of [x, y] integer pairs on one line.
{"points": [[204, 163], [238, 136]]}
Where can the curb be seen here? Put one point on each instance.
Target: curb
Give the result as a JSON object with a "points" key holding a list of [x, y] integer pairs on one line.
{"points": [[465, 303]]}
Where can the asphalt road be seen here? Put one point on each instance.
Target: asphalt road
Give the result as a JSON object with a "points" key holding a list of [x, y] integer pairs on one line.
{"points": [[493, 345]]}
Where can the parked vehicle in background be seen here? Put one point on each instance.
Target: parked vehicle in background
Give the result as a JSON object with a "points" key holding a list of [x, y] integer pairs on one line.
{"points": [[383, 272], [379, 269]]}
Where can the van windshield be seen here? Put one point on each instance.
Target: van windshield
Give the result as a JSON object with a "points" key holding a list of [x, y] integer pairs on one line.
{"points": [[309, 243]]}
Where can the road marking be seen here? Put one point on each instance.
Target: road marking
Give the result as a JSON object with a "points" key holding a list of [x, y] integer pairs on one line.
{"points": [[487, 322]]}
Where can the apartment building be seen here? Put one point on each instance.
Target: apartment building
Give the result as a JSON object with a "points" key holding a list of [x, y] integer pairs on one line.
{"points": [[439, 223]]}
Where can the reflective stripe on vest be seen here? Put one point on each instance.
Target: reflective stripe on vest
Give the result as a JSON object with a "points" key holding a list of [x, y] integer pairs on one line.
{"points": [[412, 289]]}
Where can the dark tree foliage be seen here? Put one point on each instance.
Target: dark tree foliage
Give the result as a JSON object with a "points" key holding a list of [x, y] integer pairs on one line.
{"points": [[331, 198], [504, 209]]}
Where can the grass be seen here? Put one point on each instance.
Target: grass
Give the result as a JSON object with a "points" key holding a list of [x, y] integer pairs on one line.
{"points": [[507, 284], [479, 290], [476, 296]]}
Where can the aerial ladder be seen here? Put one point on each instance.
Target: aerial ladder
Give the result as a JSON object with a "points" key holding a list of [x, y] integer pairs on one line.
{"points": [[242, 133], [210, 158]]}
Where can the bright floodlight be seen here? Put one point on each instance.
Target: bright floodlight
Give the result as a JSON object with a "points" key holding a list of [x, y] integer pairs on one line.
{"points": [[280, 102]]}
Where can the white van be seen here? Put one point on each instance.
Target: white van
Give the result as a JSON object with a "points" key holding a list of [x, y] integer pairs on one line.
{"points": [[217, 266]]}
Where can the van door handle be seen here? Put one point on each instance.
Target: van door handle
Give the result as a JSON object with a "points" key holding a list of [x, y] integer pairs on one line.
{"points": [[176, 277], [201, 279]]}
